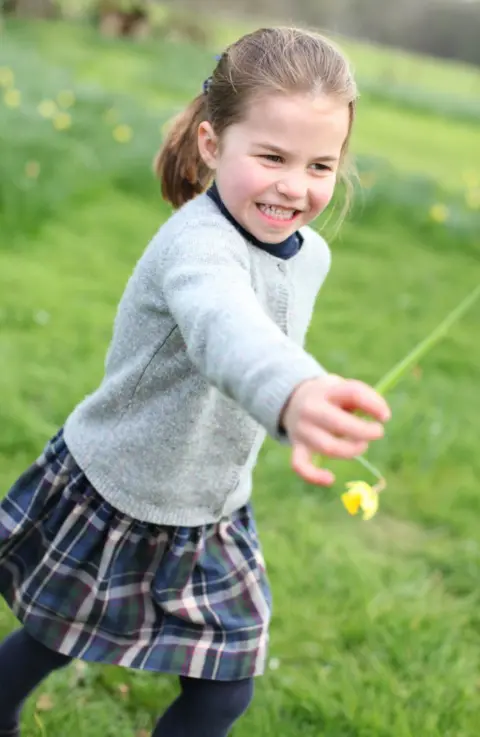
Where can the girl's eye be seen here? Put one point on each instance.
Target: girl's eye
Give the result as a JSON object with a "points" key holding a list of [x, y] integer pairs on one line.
{"points": [[321, 167], [275, 158]]}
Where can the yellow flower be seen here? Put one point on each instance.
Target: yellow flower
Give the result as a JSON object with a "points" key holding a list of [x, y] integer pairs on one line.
{"points": [[6, 77], [367, 179], [472, 198], [32, 169], [361, 495], [12, 98], [47, 108], [439, 213], [122, 133], [66, 98], [471, 179], [62, 121]]}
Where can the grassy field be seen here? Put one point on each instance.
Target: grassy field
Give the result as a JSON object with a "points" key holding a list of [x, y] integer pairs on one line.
{"points": [[376, 625]]}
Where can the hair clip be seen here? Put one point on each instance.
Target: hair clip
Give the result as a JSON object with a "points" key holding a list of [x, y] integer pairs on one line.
{"points": [[208, 82]]}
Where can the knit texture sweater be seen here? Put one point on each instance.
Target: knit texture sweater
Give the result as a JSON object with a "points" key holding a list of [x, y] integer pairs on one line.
{"points": [[207, 347]]}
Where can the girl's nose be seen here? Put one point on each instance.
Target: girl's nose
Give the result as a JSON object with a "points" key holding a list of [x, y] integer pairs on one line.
{"points": [[292, 187]]}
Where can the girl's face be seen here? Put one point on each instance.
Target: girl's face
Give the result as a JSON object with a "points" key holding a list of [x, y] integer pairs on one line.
{"points": [[277, 169]]}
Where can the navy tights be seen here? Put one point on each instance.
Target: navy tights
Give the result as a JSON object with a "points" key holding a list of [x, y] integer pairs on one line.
{"points": [[203, 709]]}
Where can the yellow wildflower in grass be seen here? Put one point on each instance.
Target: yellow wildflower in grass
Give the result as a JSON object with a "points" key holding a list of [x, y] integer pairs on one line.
{"points": [[368, 179], [32, 169], [167, 125], [47, 109], [472, 198], [7, 78], [471, 179], [66, 98], [62, 121], [12, 98], [122, 133], [439, 213]]}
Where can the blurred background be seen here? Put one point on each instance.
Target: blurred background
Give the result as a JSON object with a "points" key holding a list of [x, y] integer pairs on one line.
{"points": [[376, 625]]}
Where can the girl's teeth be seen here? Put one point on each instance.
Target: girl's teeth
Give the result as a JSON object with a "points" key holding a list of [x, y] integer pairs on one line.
{"points": [[277, 212]]}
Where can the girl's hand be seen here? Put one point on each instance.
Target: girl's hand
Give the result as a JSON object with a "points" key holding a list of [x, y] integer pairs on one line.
{"points": [[318, 419]]}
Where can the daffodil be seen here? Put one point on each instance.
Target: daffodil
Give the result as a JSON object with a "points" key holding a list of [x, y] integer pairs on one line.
{"points": [[7, 78], [12, 98], [471, 179], [368, 179], [62, 121], [122, 133], [361, 495], [472, 198], [32, 169], [47, 108], [439, 213], [66, 98]]}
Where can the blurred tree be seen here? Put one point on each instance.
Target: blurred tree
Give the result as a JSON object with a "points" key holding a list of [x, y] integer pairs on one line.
{"points": [[449, 28], [29, 8], [76, 9], [453, 31], [124, 17], [115, 17]]}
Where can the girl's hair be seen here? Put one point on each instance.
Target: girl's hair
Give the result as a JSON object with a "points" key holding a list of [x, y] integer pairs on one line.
{"points": [[282, 60]]}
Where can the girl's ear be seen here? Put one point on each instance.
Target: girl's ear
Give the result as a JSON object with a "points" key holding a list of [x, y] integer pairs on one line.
{"points": [[208, 144]]}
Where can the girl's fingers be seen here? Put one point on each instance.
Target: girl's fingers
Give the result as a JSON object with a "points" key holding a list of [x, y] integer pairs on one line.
{"points": [[320, 441], [303, 466], [328, 427], [355, 395], [341, 423]]}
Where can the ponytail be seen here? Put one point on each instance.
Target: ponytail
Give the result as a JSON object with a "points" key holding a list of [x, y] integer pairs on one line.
{"points": [[182, 172]]}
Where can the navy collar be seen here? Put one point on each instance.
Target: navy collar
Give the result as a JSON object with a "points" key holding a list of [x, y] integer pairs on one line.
{"points": [[285, 249]]}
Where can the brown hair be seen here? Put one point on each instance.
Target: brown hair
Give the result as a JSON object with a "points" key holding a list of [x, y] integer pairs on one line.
{"points": [[284, 60]]}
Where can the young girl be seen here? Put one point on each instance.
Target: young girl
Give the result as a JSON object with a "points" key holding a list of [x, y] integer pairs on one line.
{"points": [[131, 540]]}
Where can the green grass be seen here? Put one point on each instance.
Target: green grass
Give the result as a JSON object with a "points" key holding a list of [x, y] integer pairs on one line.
{"points": [[376, 627], [391, 110]]}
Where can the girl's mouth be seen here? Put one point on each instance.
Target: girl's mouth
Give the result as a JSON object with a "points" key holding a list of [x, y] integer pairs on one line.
{"points": [[279, 215]]}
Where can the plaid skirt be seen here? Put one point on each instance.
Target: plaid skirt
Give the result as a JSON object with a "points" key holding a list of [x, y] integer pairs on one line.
{"points": [[93, 583]]}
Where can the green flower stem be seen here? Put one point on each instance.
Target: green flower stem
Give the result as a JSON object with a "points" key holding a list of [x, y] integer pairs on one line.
{"points": [[370, 467], [393, 376]]}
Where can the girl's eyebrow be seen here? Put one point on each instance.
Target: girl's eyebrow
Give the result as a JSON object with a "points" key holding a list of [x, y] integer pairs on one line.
{"points": [[282, 152]]}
